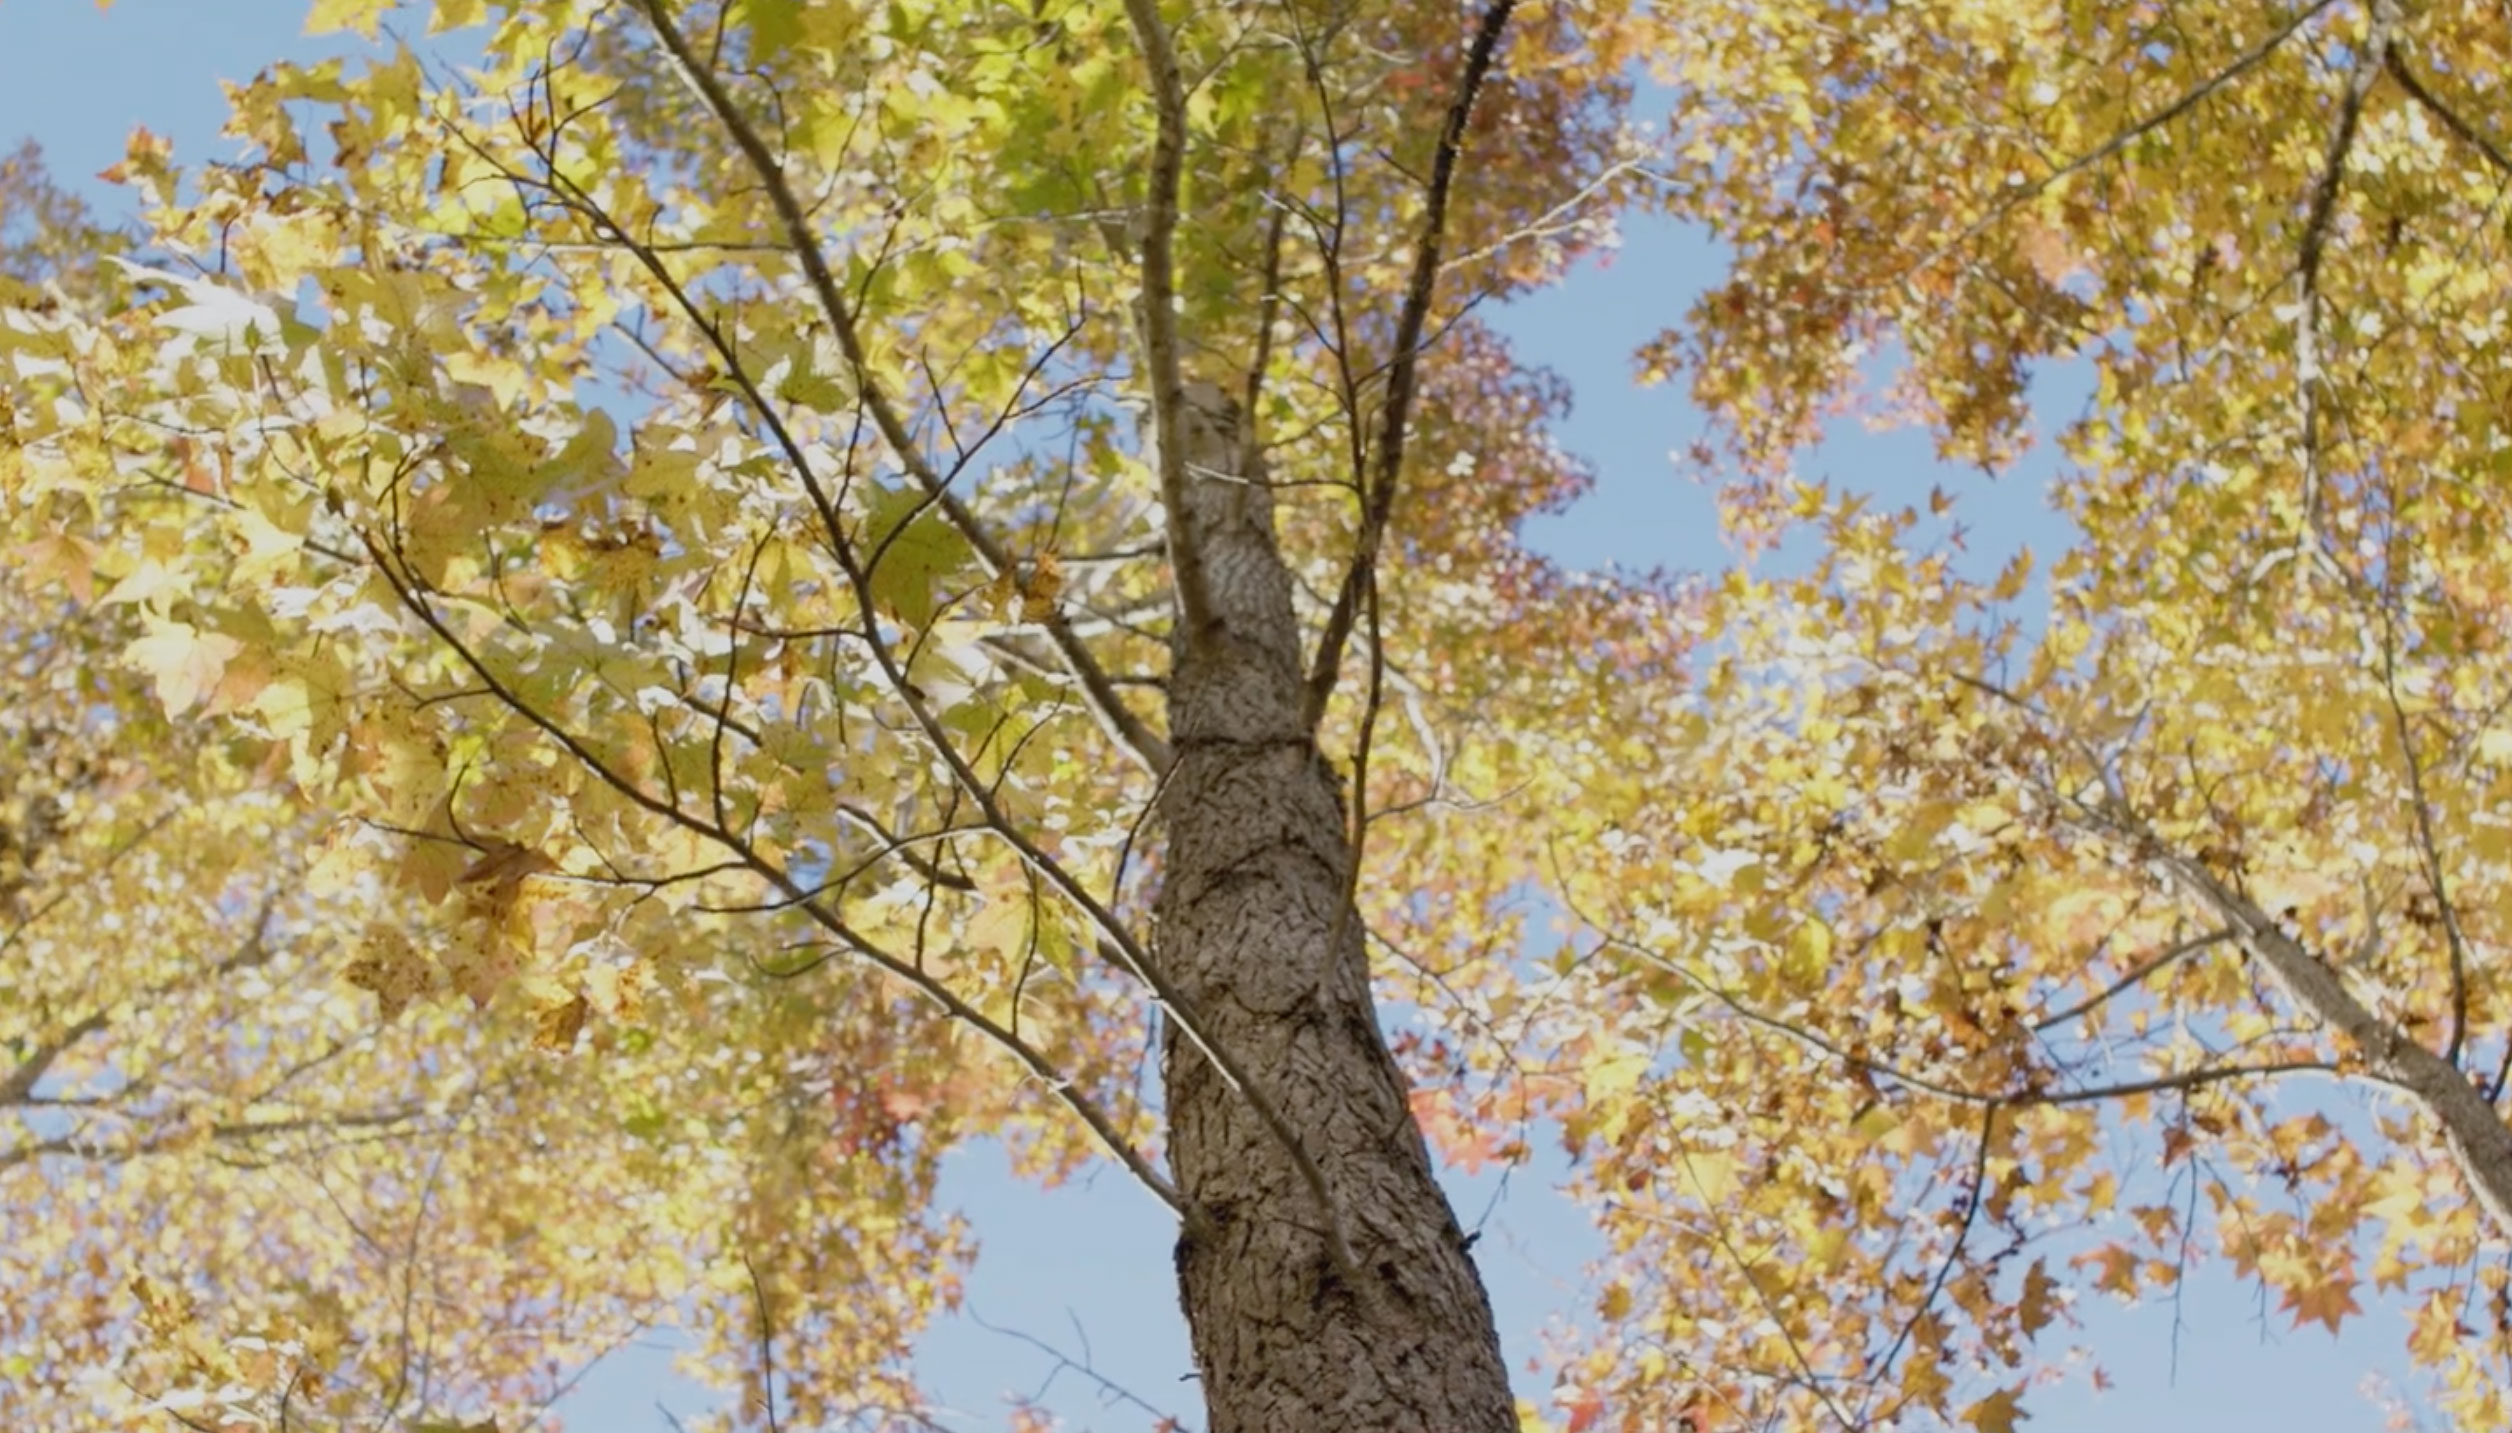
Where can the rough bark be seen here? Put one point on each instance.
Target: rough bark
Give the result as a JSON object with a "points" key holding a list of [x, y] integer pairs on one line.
{"points": [[1253, 935]]}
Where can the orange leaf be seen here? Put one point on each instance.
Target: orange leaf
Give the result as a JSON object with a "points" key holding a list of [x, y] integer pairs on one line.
{"points": [[2327, 1302]]}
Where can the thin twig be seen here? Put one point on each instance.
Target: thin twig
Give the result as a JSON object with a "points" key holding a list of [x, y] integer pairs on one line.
{"points": [[933, 989], [2450, 119], [2136, 975], [767, 1341], [1953, 1252], [1115, 936]]}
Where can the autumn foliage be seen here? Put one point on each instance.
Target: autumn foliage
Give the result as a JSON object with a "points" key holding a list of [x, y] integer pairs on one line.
{"points": [[591, 626]]}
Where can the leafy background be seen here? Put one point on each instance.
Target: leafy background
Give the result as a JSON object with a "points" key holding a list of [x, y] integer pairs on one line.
{"points": [[1083, 1262]]}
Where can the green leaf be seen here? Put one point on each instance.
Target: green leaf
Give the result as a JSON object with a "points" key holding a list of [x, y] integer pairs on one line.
{"points": [[915, 552], [774, 24]]}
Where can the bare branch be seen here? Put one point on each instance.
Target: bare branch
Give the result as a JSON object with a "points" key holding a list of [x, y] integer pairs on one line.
{"points": [[2478, 1139], [2428, 845], [18, 929], [1953, 1254], [18, 1086], [885, 417], [933, 989], [2032, 1093], [1110, 1390]]}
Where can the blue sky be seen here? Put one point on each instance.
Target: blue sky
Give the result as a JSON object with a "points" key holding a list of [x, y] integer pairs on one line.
{"points": [[1087, 1267]]}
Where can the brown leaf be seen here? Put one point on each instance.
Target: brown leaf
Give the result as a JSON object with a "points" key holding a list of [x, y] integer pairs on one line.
{"points": [[505, 864], [557, 1027]]}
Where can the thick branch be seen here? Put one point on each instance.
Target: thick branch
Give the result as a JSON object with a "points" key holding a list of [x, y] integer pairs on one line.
{"points": [[2309, 361], [1157, 314], [1387, 462], [18, 1086], [2477, 1137]]}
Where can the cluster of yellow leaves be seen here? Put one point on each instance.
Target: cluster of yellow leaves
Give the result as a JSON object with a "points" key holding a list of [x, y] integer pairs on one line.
{"points": [[1880, 893]]}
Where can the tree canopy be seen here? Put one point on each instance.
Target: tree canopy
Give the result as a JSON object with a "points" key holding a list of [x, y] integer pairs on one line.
{"points": [[682, 608]]}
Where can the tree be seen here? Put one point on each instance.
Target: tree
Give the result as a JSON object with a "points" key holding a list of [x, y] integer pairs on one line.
{"points": [[860, 645], [805, 582]]}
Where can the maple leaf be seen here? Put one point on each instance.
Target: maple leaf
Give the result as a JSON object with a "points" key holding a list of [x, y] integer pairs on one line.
{"points": [[212, 314], [361, 16], [183, 662], [912, 552], [2118, 1265], [1040, 585], [62, 558], [2326, 1301]]}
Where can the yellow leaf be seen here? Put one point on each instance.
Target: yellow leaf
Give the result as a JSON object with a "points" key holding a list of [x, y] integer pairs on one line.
{"points": [[1615, 1076], [183, 662], [330, 17], [1809, 950], [1825, 1246], [1713, 1177], [2039, 1303], [62, 558], [268, 548], [392, 969], [1004, 923], [144, 584], [2327, 1302], [1040, 587]]}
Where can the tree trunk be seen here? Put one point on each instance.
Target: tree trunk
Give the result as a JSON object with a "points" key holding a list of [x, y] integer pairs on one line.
{"points": [[1380, 1324]]}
